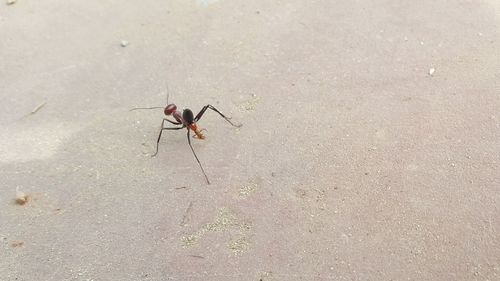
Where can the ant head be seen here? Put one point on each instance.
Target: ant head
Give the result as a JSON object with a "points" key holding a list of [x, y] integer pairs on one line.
{"points": [[169, 109]]}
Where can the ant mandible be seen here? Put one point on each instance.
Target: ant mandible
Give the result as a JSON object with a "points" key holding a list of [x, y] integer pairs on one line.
{"points": [[186, 120]]}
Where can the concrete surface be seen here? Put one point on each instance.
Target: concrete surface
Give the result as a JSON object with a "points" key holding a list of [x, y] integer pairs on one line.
{"points": [[354, 163]]}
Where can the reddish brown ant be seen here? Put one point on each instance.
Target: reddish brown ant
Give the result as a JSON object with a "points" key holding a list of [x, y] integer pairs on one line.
{"points": [[186, 120]]}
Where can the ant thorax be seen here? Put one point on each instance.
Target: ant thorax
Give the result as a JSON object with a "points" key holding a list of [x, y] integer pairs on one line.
{"points": [[178, 116]]}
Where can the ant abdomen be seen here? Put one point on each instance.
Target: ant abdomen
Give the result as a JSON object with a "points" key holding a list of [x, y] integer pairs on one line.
{"points": [[188, 116]]}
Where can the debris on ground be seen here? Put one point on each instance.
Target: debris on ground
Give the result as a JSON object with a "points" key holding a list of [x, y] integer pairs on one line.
{"points": [[185, 218], [21, 197], [124, 43], [238, 246], [17, 243], [38, 107], [431, 71], [249, 105], [35, 110], [224, 220], [247, 189], [10, 2]]}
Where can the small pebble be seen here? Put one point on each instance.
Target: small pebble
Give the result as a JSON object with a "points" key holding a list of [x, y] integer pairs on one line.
{"points": [[431, 71], [124, 43], [10, 2], [21, 197]]}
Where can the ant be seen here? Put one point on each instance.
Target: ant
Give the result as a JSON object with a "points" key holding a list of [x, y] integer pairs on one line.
{"points": [[186, 120]]}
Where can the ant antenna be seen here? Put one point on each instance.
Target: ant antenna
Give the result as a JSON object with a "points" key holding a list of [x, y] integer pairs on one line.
{"points": [[168, 92], [154, 107]]}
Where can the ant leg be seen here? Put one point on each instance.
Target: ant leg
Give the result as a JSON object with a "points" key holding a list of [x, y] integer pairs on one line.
{"points": [[197, 160], [202, 111], [161, 131], [172, 122]]}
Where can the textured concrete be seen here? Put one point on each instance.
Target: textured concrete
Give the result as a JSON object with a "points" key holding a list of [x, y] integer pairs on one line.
{"points": [[353, 163]]}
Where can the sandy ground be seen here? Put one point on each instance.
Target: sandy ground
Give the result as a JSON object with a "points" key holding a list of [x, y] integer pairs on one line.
{"points": [[353, 163]]}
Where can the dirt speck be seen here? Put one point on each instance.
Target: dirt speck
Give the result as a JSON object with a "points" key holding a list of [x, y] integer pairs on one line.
{"points": [[190, 239], [16, 243], [239, 245], [250, 104], [224, 220], [300, 193], [247, 189]]}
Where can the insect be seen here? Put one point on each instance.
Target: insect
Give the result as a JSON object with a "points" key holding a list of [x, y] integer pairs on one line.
{"points": [[187, 120]]}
